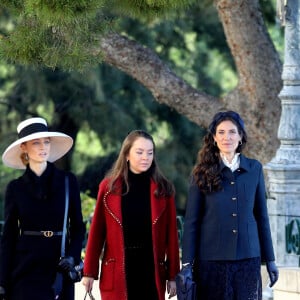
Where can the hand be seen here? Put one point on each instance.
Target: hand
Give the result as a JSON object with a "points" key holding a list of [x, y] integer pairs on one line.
{"points": [[183, 276], [171, 288], [273, 272], [2, 293], [66, 264], [88, 283]]}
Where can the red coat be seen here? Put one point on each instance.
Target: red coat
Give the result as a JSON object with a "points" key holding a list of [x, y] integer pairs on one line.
{"points": [[106, 233]]}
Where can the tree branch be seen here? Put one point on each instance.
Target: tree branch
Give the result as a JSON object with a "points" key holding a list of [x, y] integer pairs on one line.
{"points": [[166, 87]]}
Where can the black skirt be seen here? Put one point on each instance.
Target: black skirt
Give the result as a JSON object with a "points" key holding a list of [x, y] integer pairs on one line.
{"points": [[38, 289], [140, 277], [229, 280]]}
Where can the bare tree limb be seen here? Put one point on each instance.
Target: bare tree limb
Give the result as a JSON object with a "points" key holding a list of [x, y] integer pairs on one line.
{"points": [[146, 67]]}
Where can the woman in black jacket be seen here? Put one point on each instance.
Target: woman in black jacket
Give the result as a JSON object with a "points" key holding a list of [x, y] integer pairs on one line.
{"points": [[226, 231], [34, 216]]}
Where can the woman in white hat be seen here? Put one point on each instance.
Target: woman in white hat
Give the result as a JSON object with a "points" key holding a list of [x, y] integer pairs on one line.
{"points": [[34, 217]]}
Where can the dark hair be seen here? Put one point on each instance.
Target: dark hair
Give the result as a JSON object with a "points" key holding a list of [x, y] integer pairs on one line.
{"points": [[120, 168], [206, 172]]}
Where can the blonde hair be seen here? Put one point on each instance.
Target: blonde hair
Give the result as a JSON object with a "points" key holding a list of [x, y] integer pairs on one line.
{"points": [[24, 158]]}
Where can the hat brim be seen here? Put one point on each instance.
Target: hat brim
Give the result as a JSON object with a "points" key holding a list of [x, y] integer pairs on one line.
{"points": [[60, 145]]}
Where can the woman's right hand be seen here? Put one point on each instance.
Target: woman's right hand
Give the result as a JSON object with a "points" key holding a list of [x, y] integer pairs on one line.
{"points": [[88, 283]]}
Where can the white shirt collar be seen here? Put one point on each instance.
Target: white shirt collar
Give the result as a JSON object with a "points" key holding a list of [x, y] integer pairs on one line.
{"points": [[235, 163]]}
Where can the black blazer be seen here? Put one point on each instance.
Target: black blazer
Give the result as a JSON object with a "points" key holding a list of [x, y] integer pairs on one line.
{"points": [[230, 224], [35, 203]]}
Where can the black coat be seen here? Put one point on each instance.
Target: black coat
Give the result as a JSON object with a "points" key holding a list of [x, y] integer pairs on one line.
{"points": [[230, 224], [29, 263]]}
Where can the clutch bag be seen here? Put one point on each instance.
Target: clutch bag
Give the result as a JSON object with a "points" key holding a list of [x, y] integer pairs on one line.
{"points": [[186, 291]]}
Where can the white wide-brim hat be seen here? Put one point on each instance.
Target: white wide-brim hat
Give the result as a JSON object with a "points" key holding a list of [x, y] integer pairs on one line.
{"points": [[36, 128]]}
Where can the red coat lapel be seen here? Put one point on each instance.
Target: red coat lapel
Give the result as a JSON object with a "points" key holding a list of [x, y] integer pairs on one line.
{"points": [[157, 206], [112, 203]]}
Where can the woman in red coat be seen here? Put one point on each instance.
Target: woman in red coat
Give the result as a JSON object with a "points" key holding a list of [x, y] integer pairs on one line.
{"points": [[134, 228]]}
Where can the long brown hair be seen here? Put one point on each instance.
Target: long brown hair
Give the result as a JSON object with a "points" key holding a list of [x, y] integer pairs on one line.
{"points": [[120, 168], [206, 172]]}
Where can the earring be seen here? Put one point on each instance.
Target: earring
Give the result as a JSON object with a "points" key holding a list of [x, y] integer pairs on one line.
{"points": [[240, 143], [26, 156], [215, 143]]}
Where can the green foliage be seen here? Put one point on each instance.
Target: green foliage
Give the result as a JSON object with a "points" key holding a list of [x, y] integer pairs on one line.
{"points": [[15, 6], [64, 33], [22, 46], [87, 208], [88, 205], [54, 12], [194, 45], [54, 34], [31, 44], [273, 25], [277, 35], [63, 12], [148, 9]]}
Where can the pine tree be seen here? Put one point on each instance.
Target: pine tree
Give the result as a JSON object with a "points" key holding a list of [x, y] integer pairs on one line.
{"points": [[63, 33]]}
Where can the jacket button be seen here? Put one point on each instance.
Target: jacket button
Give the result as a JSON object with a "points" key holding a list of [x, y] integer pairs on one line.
{"points": [[232, 182], [234, 231], [233, 198], [234, 215]]}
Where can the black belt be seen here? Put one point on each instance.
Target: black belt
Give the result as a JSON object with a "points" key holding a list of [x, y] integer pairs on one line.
{"points": [[45, 233]]}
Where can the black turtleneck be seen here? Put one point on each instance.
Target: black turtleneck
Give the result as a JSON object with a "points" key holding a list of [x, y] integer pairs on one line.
{"points": [[136, 211], [136, 215]]}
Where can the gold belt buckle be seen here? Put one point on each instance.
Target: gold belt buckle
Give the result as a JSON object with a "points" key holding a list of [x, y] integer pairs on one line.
{"points": [[47, 233]]}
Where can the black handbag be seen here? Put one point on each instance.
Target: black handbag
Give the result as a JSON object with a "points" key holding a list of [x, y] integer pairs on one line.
{"points": [[187, 290]]}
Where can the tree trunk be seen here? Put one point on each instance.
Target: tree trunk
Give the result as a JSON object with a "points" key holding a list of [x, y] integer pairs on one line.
{"points": [[259, 70], [258, 67]]}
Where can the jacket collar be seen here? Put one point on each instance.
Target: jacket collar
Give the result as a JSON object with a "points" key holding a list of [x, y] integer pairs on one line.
{"points": [[244, 164], [112, 203]]}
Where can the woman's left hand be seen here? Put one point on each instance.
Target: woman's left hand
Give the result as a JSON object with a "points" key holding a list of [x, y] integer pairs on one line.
{"points": [[273, 272], [171, 288]]}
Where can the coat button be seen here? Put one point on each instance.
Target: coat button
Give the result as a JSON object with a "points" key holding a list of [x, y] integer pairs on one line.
{"points": [[234, 215], [232, 182], [233, 198], [234, 231]]}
